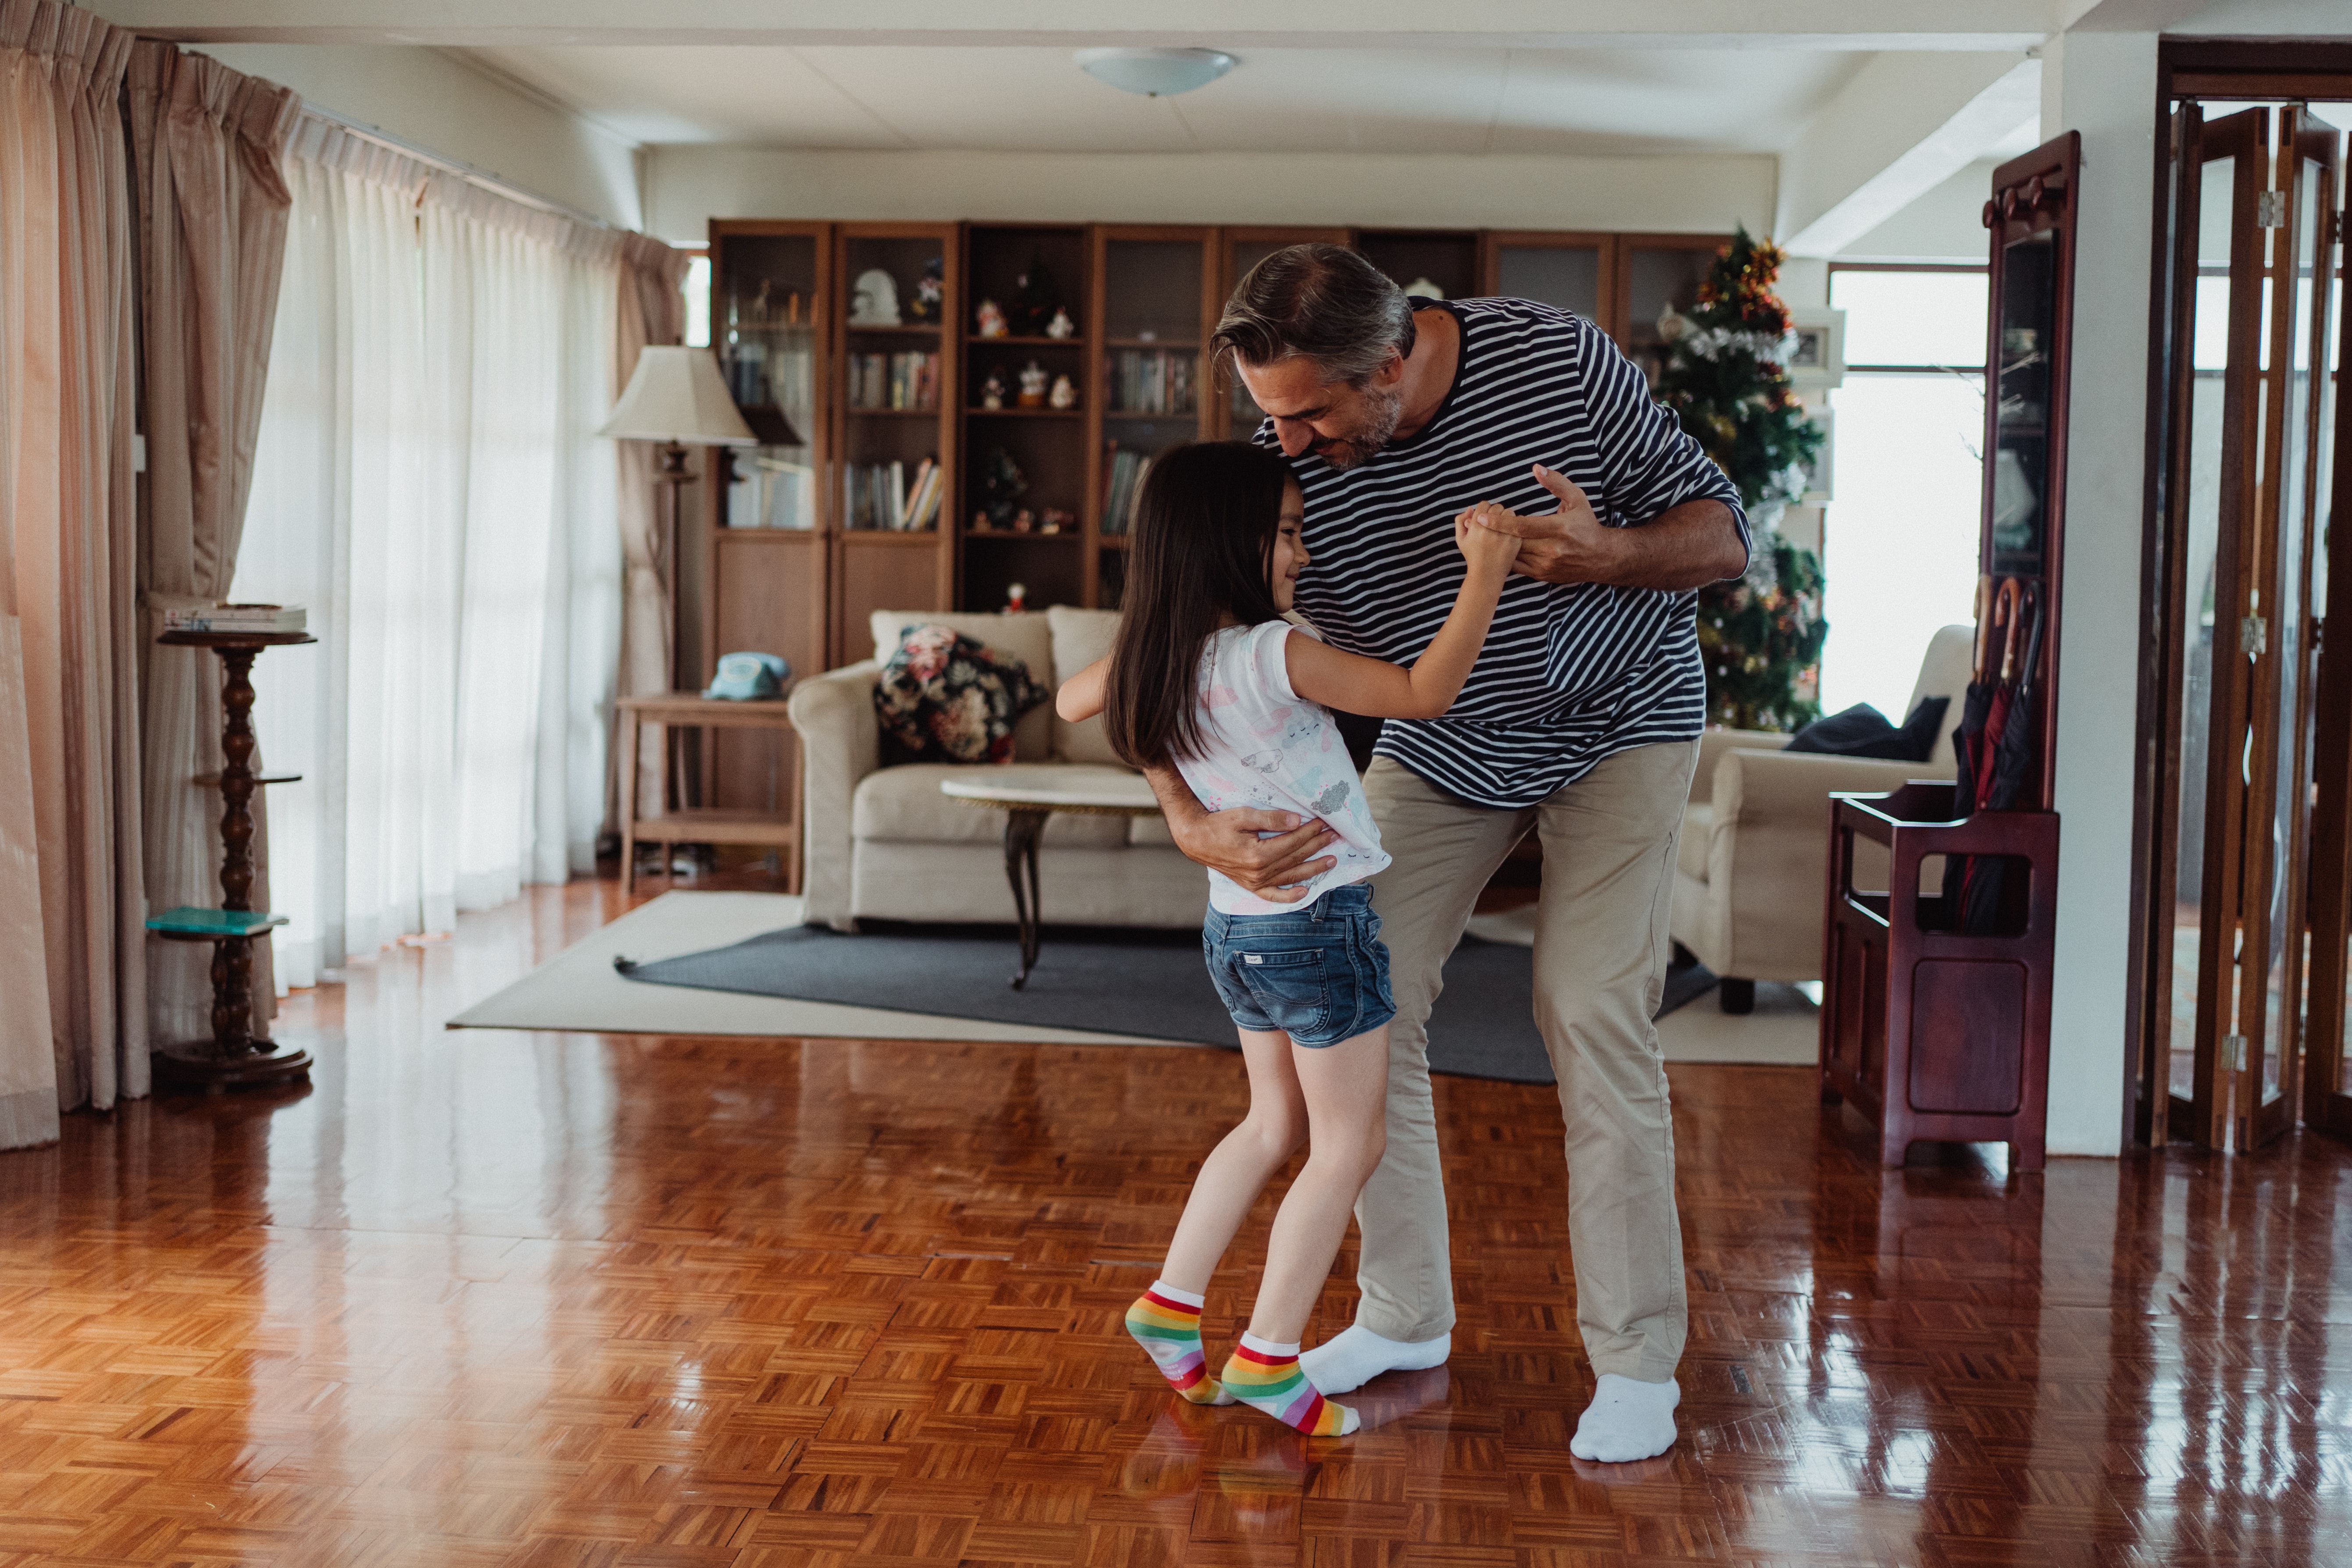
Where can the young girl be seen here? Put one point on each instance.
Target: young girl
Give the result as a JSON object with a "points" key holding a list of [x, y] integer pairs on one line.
{"points": [[1207, 677]]}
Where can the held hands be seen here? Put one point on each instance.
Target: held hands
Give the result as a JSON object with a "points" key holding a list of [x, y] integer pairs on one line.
{"points": [[1486, 540], [1569, 545]]}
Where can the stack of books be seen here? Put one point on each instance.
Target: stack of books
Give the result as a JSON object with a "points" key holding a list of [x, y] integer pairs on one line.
{"points": [[1122, 488], [884, 497], [238, 618], [894, 381], [1152, 381]]}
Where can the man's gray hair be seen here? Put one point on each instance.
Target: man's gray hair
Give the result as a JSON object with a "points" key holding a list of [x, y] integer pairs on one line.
{"points": [[1323, 302]]}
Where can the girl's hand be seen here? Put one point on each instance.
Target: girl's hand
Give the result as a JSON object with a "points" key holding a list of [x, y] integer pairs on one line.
{"points": [[1482, 541]]}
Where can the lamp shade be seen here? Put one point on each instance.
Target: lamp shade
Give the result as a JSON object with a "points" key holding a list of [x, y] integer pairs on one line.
{"points": [[678, 395], [1155, 73]]}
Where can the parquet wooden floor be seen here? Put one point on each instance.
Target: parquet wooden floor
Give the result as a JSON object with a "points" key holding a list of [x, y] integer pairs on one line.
{"points": [[556, 1301]]}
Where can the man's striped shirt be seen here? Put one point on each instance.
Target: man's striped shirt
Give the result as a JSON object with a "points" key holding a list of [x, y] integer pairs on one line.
{"points": [[1571, 674]]}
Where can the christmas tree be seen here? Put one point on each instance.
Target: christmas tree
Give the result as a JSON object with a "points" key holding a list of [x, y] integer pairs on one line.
{"points": [[1759, 634]]}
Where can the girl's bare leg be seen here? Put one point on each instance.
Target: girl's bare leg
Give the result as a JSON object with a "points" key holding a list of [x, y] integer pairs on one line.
{"points": [[1345, 1088], [1239, 1167]]}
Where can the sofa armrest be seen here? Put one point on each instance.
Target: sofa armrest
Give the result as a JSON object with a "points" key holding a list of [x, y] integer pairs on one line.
{"points": [[1714, 743], [1767, 862], [840, 744]]}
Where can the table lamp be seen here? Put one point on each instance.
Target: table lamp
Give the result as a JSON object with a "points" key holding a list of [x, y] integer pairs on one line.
{"points": [[678, 398]]}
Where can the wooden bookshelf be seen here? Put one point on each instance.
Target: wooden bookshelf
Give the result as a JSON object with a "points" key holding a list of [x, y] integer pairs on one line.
{"points": [[764, 568], [1574, 271], [878, 565], [1049, 445], [1154, 303]]}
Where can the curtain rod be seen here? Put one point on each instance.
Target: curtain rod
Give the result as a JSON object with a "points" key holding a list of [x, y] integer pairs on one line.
{"points": [[483, 178]]}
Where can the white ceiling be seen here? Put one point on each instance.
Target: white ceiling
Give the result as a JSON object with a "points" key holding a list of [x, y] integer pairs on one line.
{"points": [[1026, 98]]}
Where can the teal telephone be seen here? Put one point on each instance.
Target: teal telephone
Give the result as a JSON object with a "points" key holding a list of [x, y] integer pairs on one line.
{"points": [[749, 677]]}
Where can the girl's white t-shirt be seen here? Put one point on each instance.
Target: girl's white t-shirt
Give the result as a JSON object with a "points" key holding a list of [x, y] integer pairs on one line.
{"points": [[1264, 745]]}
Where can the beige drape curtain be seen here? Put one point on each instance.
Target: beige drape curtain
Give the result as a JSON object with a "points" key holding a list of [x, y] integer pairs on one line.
{"points": [[72, 1004], [206, 145], [653, 311]]}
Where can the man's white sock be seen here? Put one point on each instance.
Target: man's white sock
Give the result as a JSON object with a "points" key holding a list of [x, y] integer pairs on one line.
{"points": [[1627, 1420], [1355, 1355]]}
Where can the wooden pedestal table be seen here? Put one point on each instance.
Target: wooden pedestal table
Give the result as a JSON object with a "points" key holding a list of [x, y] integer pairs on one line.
{"points": [[779, 829], [234, 1057], [1028, 796]]}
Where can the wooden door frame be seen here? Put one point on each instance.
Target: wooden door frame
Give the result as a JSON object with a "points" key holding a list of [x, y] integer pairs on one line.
{"points": [[2326, 1086]]}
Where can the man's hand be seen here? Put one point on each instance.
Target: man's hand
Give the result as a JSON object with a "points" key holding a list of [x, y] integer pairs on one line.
{"points": [[1275, 869], [1684, 547]]}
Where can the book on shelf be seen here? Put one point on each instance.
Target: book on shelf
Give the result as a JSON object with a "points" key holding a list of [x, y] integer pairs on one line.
{"points": [[1122, 488], [901, 381], [886, 498], [1152, 381], [237, 618], [769, 491]]}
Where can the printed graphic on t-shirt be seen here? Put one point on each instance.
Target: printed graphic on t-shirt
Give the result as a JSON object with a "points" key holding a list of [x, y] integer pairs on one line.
{"points": [[1265, 747]]}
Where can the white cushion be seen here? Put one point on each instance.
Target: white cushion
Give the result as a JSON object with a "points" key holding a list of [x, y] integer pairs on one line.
{"points": [[1080, 638], [904, 805], [1024, 638]]}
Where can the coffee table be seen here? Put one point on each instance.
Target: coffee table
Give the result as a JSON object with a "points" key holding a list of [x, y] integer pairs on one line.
{"points": [[1028, 795]]}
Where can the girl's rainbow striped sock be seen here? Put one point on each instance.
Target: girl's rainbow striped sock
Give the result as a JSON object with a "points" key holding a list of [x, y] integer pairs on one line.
{"points": [[1265, 1376], [1166, 1322]]}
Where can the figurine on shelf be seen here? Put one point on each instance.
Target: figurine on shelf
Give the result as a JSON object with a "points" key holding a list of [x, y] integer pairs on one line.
{"points": [[874, 302], [1064, 395], [1036, 299], [930, 294], [1023, 520], [1016, 598], [990, 319], [991, 391], [1061, 326], [1033, 385], [1421, 288], [1059, 520], [1002, 484]]}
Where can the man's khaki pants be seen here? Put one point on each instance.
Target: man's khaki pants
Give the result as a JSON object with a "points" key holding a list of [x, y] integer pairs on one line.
{"points": [[1600, 963]]}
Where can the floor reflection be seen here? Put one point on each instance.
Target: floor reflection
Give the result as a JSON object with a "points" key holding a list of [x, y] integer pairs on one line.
{"points": [[497, 1298]]}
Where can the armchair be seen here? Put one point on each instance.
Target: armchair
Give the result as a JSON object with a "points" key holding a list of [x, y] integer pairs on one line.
{"points": [[1755, 848]]}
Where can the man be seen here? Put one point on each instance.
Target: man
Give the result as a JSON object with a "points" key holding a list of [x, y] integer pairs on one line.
{"points": [[1580, 722]]}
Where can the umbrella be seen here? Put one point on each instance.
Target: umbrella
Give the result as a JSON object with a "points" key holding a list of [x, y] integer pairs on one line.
{"points": [[2007, 764], [1975, 712]]}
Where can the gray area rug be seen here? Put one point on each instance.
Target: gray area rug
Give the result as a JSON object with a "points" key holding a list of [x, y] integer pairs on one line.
{"points": [[1149, 984]]}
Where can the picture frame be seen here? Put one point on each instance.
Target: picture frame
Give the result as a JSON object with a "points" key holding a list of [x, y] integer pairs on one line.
{"points": [[1817, 360], [1821, 484]]}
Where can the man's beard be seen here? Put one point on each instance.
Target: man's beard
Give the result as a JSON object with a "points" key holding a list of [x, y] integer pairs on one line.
{"points": [[1382, 413]]}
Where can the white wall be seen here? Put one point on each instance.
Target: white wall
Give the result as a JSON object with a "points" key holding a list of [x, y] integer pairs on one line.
{"points": [[686, 186], [1946, 224], [444, 104], [2103, 85]]}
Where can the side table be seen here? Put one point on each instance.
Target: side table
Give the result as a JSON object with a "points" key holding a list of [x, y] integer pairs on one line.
{"points": [[779, 829], [1028, 796], [234, 1055]]}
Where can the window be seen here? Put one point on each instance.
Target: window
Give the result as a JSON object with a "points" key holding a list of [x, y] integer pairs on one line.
{"points": [[1899, 541], [697, 298]]}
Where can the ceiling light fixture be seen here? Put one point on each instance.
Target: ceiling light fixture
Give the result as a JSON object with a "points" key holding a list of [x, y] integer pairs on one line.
{"points": [[1155, 73]]}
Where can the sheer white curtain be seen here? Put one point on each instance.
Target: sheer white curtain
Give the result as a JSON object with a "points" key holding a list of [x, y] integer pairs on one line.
{"points": [[429, 483]]}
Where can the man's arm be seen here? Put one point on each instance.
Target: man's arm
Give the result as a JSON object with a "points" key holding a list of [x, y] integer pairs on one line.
{"points": [[1684, 547], [1273, 869]]}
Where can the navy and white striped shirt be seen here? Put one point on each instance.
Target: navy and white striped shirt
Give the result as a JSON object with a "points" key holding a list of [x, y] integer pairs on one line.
{"points": [[1572, 673]]}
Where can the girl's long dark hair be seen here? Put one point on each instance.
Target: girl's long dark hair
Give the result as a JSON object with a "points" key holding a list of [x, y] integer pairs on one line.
{"points": [[1205, 528]]}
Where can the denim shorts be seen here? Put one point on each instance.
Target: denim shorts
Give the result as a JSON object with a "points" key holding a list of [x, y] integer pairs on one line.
{"points": [[1320, 975]]}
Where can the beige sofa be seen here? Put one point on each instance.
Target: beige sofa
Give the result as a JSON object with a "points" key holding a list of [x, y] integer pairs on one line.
{"points": [[1754, 857], [884, 842]]}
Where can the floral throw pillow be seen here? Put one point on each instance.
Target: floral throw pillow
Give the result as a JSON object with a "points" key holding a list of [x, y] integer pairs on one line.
{"points": [[943, 698]]}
